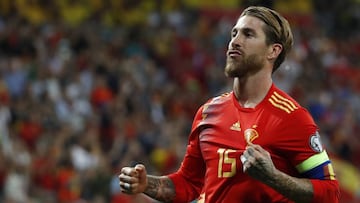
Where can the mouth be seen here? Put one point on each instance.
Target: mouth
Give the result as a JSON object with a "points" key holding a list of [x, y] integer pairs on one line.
{"points": [[234, 53]]}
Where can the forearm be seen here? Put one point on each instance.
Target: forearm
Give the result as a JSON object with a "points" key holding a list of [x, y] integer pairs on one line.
{"points": [[160, 188], [297, 189]]}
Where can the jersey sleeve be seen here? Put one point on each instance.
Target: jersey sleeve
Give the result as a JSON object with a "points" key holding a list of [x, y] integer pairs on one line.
{"points": [[189, 179], [305, 151], [325, 191]]}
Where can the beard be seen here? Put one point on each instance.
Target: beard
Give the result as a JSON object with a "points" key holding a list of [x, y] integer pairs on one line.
{"points": [[246, 66]]}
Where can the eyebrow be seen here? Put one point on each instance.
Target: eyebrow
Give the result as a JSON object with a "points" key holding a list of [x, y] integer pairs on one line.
{"points": [[244, 30], [247, 30]]}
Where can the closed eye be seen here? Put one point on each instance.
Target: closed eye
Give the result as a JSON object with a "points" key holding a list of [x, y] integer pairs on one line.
{"points": [[234, 33], [248, 32]]}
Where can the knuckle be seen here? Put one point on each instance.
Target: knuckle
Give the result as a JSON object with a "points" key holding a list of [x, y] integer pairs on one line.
{"points": [[123, 170], [121, 177]]}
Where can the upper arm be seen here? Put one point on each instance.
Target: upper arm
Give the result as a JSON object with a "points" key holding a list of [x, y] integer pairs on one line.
{"points": [[189, 179], [307, 154], [300, 142]]}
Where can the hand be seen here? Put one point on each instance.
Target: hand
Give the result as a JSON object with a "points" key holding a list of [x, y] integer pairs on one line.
{"points": [[133, 180], [257, 163]]}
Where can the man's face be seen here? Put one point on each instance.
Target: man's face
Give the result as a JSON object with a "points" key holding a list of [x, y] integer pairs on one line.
{"points": [[247, 49]]}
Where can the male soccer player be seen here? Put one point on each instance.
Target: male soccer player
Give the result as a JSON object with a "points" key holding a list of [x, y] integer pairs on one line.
{"points": [[255, 144]]}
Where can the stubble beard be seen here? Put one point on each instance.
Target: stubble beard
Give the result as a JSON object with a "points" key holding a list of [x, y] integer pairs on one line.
{"points": [[243, 67]]}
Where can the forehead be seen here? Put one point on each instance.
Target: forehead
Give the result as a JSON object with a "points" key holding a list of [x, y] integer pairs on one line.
{"points": [[249, 22]]}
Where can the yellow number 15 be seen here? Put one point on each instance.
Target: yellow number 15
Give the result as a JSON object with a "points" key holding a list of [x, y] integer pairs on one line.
{"points": [[225, 159]]}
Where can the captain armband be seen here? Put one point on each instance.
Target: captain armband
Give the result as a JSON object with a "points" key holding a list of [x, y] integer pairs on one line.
{"points": [[317, 166]]}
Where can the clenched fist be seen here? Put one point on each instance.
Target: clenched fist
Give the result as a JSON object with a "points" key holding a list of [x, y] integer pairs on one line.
{"points": [[133, 180]]}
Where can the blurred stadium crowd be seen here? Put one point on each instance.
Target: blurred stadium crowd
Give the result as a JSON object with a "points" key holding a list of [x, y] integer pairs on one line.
{"points": [[89, 86]]}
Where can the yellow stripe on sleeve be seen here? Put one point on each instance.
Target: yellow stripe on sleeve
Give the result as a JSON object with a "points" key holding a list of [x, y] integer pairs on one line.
{"points": [[283, 103], [279, 106], [331, 172], [312, 162], [287, 100]]}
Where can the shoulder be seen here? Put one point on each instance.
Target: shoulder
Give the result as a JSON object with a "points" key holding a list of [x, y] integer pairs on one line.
{"points": [[220, 99], [282, 102], [213, 106], [216, 103], [287, 107]]}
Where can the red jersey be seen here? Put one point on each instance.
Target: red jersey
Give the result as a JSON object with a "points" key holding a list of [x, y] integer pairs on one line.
{"points": [[219, 135]]}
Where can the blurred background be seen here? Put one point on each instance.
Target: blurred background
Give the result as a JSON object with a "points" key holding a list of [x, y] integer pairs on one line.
{"points": [[90, 86]]}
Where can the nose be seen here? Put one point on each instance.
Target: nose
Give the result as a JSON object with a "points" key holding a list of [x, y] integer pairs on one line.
{"points": [[235, 41], [234, 45]]}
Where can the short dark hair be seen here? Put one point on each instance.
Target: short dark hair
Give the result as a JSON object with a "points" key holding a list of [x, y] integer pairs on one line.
{"points": [[277, 30]]}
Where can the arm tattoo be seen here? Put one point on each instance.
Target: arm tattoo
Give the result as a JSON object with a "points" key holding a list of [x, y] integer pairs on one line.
{"points": [[160, 188], [297, 189]]}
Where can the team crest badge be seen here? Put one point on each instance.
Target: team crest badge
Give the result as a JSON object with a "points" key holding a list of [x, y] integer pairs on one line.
{"points": [[315, 143], [250, 135]]}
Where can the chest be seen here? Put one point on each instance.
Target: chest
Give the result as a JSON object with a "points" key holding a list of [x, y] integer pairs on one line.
{"points": [[233, 129], [224, 135]]}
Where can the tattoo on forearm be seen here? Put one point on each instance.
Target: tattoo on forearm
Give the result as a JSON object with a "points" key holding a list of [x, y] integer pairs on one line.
{"points": [[160, 188], [299, 190]]}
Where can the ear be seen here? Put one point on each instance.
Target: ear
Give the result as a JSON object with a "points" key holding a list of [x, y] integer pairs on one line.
{"points": [[274, 51]]}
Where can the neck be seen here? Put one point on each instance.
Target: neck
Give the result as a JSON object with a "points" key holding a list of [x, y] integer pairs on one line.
{"points": [[251, 90]]}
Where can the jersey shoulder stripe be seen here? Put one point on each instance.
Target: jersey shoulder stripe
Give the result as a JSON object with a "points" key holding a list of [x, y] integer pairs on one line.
{"points": [[281, 102]]}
